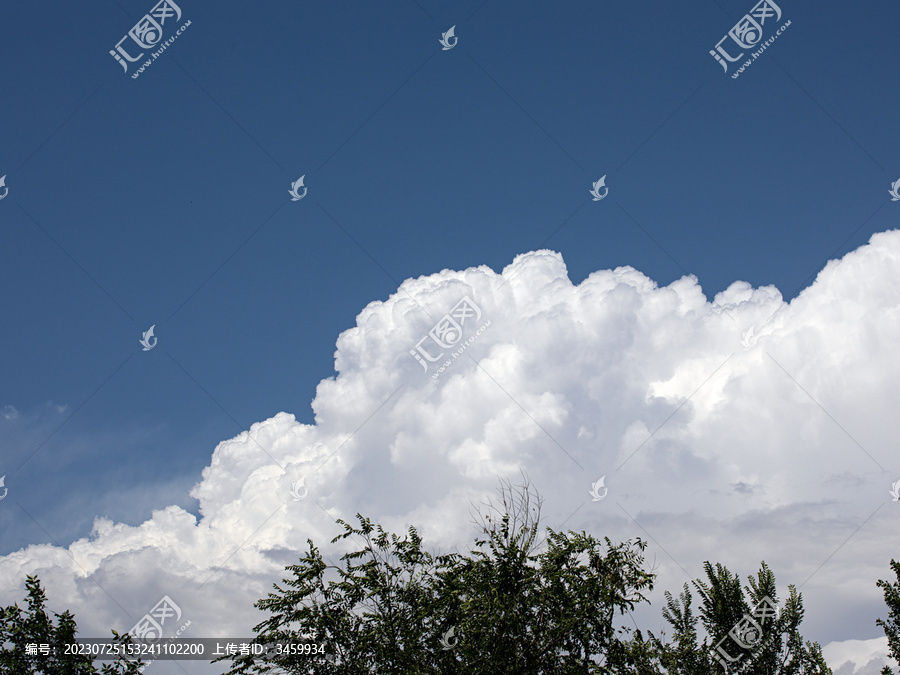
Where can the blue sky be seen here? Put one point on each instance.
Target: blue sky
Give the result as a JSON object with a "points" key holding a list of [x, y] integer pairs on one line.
{"points": [[163, 200]]}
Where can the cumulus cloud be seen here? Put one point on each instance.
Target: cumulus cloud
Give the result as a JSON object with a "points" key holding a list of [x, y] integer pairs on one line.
{"points": [[735, 430], [858, 657]]}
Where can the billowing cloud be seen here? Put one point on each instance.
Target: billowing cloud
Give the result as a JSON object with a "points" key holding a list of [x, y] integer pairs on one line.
{"points": [[734, 430], [857, 657]]}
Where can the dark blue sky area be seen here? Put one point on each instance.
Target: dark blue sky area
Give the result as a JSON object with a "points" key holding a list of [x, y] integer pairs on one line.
{"points": [[164, 199]]}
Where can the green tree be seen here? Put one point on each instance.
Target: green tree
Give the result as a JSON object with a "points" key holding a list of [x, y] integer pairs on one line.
{"points": [[505, 608], [892, 625], [19, 628], [772, 641]]}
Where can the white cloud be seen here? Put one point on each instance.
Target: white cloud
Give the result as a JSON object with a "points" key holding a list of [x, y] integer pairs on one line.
{"points": [[857, 657], [782, 452]]}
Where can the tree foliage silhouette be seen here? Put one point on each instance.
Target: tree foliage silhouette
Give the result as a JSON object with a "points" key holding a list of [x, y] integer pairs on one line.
{"points": [[512, 606], [19, 628], [741, 629], [505, 608], [892, 625]]}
